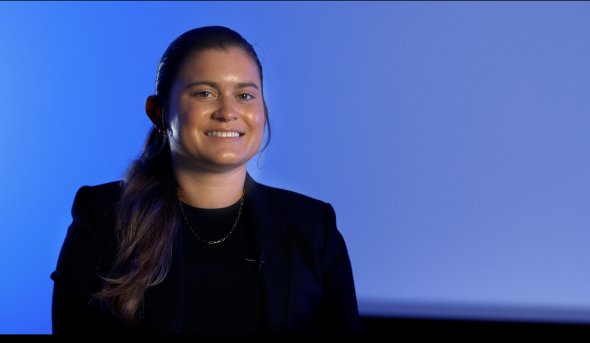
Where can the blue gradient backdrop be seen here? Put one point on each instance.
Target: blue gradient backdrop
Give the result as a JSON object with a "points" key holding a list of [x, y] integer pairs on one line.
{"points": [[451, 138]]}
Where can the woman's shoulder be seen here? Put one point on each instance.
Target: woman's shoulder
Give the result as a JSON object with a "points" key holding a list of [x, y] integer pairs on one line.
{"points": [[282, 195], [100, 195], [295, 206], [96, 203], [106, 190], [313, 221]]}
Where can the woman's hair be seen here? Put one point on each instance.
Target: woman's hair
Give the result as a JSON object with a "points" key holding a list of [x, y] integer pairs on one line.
{"points": [[147, 212]]}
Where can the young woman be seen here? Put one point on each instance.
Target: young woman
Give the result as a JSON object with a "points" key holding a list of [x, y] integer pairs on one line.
{"points": [[188, 242]]}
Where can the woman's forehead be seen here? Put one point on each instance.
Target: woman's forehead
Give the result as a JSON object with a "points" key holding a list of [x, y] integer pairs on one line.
{"points": [[216, 64]]}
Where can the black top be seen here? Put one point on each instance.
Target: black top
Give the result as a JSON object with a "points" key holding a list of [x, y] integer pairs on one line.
{"points": [[223, 292]]}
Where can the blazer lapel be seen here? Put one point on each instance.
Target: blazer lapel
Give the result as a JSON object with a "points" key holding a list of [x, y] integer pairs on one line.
{"points": [[271, 240]]}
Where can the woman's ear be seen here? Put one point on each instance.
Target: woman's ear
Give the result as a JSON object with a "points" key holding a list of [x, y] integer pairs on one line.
{"points": [[154, 110]]}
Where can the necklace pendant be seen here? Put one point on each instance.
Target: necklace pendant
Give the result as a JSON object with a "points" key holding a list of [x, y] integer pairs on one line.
{"points": [[221, 240], [216, 242]]}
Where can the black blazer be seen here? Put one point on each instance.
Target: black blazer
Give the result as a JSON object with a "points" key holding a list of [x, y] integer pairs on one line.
{"points": [[307, 279]]}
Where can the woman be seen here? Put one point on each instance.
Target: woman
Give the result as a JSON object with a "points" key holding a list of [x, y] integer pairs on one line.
{"points": [[188, 242]]}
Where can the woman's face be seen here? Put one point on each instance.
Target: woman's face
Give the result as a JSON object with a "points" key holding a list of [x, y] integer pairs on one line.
{"points": [[216, 111]]}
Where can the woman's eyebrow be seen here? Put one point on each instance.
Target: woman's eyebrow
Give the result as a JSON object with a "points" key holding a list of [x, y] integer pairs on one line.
{"points": [[216, 85]]}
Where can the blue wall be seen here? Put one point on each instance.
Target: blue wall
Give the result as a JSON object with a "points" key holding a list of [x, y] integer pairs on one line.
{"points": [[451, 138]]}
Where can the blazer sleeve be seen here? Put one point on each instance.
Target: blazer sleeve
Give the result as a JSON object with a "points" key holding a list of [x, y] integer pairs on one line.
{"points": [[76, 275], [339, 311]]}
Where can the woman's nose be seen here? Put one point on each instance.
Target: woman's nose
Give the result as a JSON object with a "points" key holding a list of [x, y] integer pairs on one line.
{"points": [[226, 111]]}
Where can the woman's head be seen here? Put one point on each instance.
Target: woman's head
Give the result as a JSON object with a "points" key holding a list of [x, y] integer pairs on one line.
{"points": [[209, 83]]}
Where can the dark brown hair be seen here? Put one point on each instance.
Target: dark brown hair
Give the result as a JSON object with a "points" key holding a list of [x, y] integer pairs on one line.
{"points": [[147, 212]]}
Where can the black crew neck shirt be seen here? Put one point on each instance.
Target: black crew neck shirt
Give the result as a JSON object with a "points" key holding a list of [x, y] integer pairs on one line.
{"points": [[223, 291]]}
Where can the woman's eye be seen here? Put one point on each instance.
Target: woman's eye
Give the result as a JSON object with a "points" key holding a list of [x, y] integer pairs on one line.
{"points": [[203, 94], [245, 96]]}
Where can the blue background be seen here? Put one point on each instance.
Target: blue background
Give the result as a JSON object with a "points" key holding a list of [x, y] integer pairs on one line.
{"points": [[452, 139]]}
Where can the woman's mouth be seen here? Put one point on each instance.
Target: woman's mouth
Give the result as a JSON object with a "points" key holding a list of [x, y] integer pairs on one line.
{"points": [[224, 134]]}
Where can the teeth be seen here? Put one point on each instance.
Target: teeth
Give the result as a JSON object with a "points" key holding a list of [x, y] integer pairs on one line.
{"points": [[223, 134]]}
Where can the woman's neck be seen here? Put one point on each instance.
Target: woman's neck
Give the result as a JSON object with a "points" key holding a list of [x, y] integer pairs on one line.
{"points": [[210, 189]]}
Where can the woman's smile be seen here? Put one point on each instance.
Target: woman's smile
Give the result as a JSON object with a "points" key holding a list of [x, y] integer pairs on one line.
{"points": [[224, 133]]}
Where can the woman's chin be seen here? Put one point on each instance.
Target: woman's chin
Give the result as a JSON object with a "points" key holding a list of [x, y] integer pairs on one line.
{"points": [[227, 163]]}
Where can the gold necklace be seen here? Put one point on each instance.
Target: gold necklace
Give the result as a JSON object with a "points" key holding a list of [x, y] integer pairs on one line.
{"points": [[221, 240]]}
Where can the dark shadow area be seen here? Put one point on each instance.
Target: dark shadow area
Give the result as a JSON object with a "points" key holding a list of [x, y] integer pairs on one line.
{"points": [[417, 327]]}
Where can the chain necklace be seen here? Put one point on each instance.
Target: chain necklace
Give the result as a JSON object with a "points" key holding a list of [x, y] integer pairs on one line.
{"points": [[222, 239]]}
